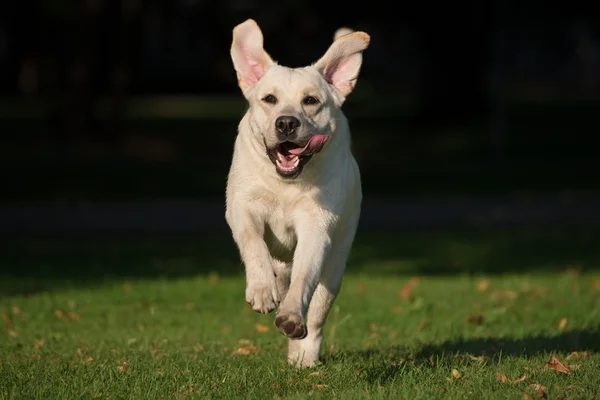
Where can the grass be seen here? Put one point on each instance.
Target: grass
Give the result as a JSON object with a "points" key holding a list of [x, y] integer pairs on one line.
{"points": [[421, 315]]}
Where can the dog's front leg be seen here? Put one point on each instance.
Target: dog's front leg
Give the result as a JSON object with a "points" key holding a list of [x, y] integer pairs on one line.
{"points": [[313, 246], [261, 287]]}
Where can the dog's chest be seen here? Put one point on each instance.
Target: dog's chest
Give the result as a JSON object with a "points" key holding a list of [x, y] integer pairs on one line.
{"points": [[280, 235]]}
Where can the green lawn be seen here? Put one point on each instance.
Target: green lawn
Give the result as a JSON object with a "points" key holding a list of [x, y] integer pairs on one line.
{"points": [[473, 315]]}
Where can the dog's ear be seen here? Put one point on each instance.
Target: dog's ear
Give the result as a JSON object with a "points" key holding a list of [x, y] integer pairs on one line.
{"points": [[250, 60], [341, 63]]}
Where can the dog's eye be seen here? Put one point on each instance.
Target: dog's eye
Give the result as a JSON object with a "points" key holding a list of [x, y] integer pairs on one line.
{"points": [[270, 99], [309, 101]]}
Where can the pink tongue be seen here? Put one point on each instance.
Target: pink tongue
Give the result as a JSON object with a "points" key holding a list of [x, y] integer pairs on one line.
{"points": [[287, 161], [315, 144]]}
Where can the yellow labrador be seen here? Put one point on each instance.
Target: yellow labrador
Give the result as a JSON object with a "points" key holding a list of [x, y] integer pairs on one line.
{"points": [[294, 190]]}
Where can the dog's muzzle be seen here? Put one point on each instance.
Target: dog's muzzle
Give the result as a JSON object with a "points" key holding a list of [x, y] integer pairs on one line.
{"points": [[289, 157]]}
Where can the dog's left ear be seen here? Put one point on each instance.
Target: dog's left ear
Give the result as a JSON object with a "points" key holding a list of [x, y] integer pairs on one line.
{"points": [[249, 58], [341, 63]]}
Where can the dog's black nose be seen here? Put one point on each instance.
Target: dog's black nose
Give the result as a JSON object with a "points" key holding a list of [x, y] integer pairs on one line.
{"points": [[287, 125]]}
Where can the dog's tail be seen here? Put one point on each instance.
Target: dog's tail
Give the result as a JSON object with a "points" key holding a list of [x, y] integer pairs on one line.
{"points": [[341, 32]]}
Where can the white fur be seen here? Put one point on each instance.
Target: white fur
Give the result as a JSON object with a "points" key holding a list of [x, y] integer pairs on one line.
{"points": [[294, 235]]}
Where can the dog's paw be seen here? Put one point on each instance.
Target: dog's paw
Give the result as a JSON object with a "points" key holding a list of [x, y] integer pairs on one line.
{"points": [[291, 325], [263, 297]]}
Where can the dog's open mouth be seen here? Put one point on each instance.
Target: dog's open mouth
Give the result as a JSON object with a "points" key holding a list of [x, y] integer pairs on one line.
{"points": [[289, 158]]}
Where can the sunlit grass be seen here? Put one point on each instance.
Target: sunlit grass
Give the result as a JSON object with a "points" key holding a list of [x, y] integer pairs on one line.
{"points": [[397, 330]]}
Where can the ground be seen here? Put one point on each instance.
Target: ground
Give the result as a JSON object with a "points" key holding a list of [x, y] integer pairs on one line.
{"points": [[474, 314]]}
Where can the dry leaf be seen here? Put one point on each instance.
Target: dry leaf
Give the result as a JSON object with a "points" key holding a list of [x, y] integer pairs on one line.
{"points": [[13, 333], [521, 379], [39, 345], [501, 295], [504, 379], [556, 365], [16, 311], [58, 314], [361, 288], [123, 367], [71, 316], [88, 360], [576, 355], [422, 324], [7, 320], [596, 284], [574, 367], [319, 386], [483, 285], [246, 351], [475, 319], [562, 324], [537, 386], [406, 293], [331, 350], [455, 373], [261, 328], [213, 278], [541, 394], [315, 373], [358, 371], [573, 354]]}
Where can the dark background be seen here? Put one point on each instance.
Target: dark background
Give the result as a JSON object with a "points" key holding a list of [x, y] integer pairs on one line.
{"points": [[129, 101]]}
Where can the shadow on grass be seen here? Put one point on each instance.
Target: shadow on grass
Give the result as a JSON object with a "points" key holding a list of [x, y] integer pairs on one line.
{"points": [[386, 362], [30, 265]]}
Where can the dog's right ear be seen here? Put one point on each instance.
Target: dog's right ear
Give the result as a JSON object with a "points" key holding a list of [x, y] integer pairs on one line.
{"points": [[250, 60]]}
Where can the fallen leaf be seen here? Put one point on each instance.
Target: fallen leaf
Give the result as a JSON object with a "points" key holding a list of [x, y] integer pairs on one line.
{"points": [[213, 278], [39, 345], [331, 350], [596, 284], [562, 324], [574, 367], [361, 288], [455, 373], [475, 319], [123, 367], [315, 373], [356, 372], [483, 285], [58, 314], [246, 351], [422, 324], [13, 333], [555, 365], [88, 360], [572, 354], [261, 328], [541, 390], [7, 320], [319, 386], [406, 293], [501, 295], [501, 377], [504, 379], [521, 379], [71, 316], [16, 311], [275, 386]]}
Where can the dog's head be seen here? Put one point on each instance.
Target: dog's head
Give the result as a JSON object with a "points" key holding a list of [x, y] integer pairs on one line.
{"points": [[294, 111]]}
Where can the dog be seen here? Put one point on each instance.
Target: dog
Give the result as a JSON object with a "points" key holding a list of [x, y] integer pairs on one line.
{"points": [[293, 194]]}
